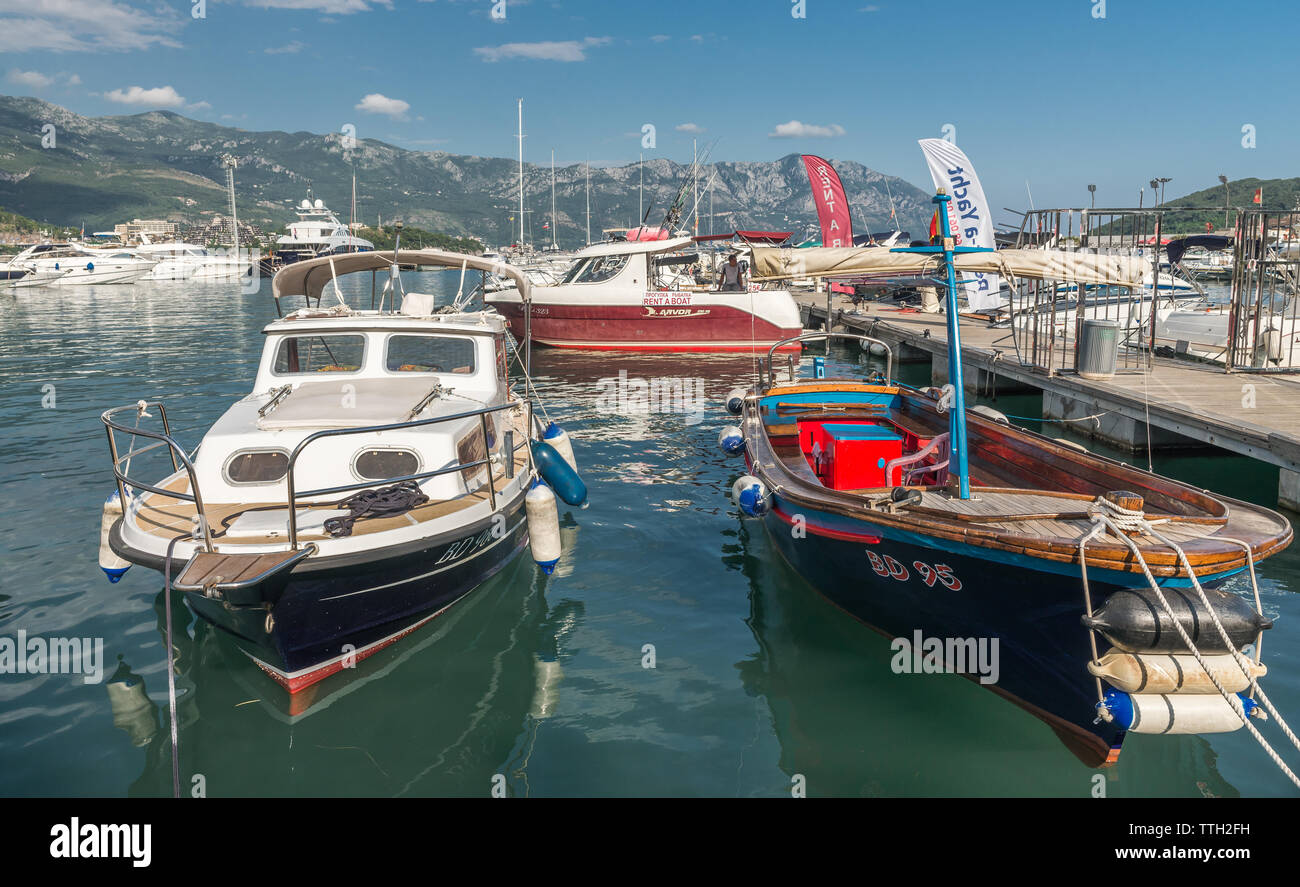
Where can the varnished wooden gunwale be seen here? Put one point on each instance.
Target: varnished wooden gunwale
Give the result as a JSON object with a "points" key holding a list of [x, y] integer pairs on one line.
{"points": [[1194, 507]]}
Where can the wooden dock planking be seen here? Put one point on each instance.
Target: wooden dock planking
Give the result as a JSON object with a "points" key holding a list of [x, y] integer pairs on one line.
{"points": [[1198, 401]]}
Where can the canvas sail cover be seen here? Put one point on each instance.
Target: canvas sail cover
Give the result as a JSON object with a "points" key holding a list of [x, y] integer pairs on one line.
{"points": [[1064, 266], [970, 218]]}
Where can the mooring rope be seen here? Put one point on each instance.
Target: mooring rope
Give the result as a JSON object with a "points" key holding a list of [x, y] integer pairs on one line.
{"points": [[171, 675], [1118, 519]]}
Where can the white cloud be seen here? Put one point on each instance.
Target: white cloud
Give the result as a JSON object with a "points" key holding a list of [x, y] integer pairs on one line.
{"points": [[328, 7], [869, 9], [33, 79], [85, 26], [73, 80], [659, 38], [157, 97], [287, 49], [692, 128], [376, 103], [551, 51], [796, 130]]}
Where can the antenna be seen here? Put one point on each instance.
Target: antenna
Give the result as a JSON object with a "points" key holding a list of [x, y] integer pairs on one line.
{"points": [[554, 245]]}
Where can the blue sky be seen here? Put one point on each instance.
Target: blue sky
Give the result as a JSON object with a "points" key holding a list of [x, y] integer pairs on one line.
{"points": [[1048, 91]]}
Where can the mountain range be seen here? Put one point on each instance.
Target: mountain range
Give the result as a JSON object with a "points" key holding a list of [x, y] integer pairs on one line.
{"points": [[66, 169]]}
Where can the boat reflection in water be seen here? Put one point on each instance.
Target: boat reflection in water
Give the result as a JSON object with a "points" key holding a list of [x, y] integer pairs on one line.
{"points": [[851, 726], [441, 716]]}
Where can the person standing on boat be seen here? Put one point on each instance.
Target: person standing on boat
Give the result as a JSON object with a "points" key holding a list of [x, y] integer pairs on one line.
{"points": [[732, 278]]}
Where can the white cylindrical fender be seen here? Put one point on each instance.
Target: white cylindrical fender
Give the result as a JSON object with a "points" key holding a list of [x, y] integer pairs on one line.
{"points": [[990, 413], [543, 526], [559, 438], [1179, 714], [736, 401], [1172, 672], [112, 565]]}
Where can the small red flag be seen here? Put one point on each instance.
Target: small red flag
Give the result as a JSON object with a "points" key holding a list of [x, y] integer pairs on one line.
{"points": [[1259, 195]]}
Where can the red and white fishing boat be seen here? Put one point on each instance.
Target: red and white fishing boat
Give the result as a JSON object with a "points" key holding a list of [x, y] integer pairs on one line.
{"points": [[623, 296]]}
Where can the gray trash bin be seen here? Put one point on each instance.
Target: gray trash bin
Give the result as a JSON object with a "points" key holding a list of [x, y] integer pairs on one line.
{"points": [[1098, 348]]}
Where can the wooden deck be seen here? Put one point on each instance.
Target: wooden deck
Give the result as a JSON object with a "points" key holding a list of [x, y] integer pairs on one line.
{"points": [[1254, 414]]}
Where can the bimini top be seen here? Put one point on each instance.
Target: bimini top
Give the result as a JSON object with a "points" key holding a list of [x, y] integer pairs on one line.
{"points": [[1034, 264], [310, 277], [624, 248]]}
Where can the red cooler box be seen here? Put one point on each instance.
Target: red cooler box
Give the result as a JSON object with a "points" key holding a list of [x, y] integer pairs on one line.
{"points": [[859, 454]]}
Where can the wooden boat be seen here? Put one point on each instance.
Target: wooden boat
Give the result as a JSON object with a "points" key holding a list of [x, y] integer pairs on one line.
{"points": [[948, 531]]}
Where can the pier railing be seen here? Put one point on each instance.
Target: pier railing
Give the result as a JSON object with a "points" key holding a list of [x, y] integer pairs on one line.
{"points": [[1047, 316], [1262, 322]]}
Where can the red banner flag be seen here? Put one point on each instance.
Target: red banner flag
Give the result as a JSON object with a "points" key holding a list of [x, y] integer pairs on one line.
{"points": [[832, 205], [1259, 195]]}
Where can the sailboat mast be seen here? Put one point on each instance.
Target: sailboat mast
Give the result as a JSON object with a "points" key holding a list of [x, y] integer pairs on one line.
{"points": [[588, 167], [521, 174], [640, 194], [554, 245], [695, 181], [893, 211]]}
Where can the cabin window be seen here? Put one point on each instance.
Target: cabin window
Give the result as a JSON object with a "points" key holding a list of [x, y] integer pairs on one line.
{"points": [[595, 269], [385, 464], [319, 354], [257, 466], [430, 354]]}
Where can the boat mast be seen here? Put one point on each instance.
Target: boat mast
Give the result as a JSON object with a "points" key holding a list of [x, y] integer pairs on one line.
{"points": [[521, 174], [554, 245], [230, 163], [893, 210], [695, 182], [588, 167], [640, 194], [957, 414], [957, 461]]}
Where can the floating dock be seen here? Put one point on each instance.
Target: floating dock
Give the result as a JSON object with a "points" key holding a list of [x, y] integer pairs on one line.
{"points": [[1175, 404]]}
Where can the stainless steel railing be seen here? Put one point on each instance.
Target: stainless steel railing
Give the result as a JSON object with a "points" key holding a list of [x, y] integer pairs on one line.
{"points": [[177, 453], [482, 415], [181, 459], [889, 352]]}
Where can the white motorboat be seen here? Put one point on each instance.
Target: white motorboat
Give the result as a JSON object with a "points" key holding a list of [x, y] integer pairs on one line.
{"points": [[83, 265], [318, 232], [187, 261], [382, 467], [634, 296]]}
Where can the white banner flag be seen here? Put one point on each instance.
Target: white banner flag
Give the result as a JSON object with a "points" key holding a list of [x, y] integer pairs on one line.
{"points": [[970, 218]]}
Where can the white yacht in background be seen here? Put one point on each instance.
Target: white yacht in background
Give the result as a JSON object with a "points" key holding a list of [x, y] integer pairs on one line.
{"points": [[75, 264], [318, 232], [187, 261]]}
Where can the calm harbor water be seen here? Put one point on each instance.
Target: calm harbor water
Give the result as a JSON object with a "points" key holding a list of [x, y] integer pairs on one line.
{"points": [[534, 681]]}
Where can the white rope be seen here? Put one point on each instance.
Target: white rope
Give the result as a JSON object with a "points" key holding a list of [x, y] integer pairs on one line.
{"points": [[1118, 519], [1241, 661]]}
